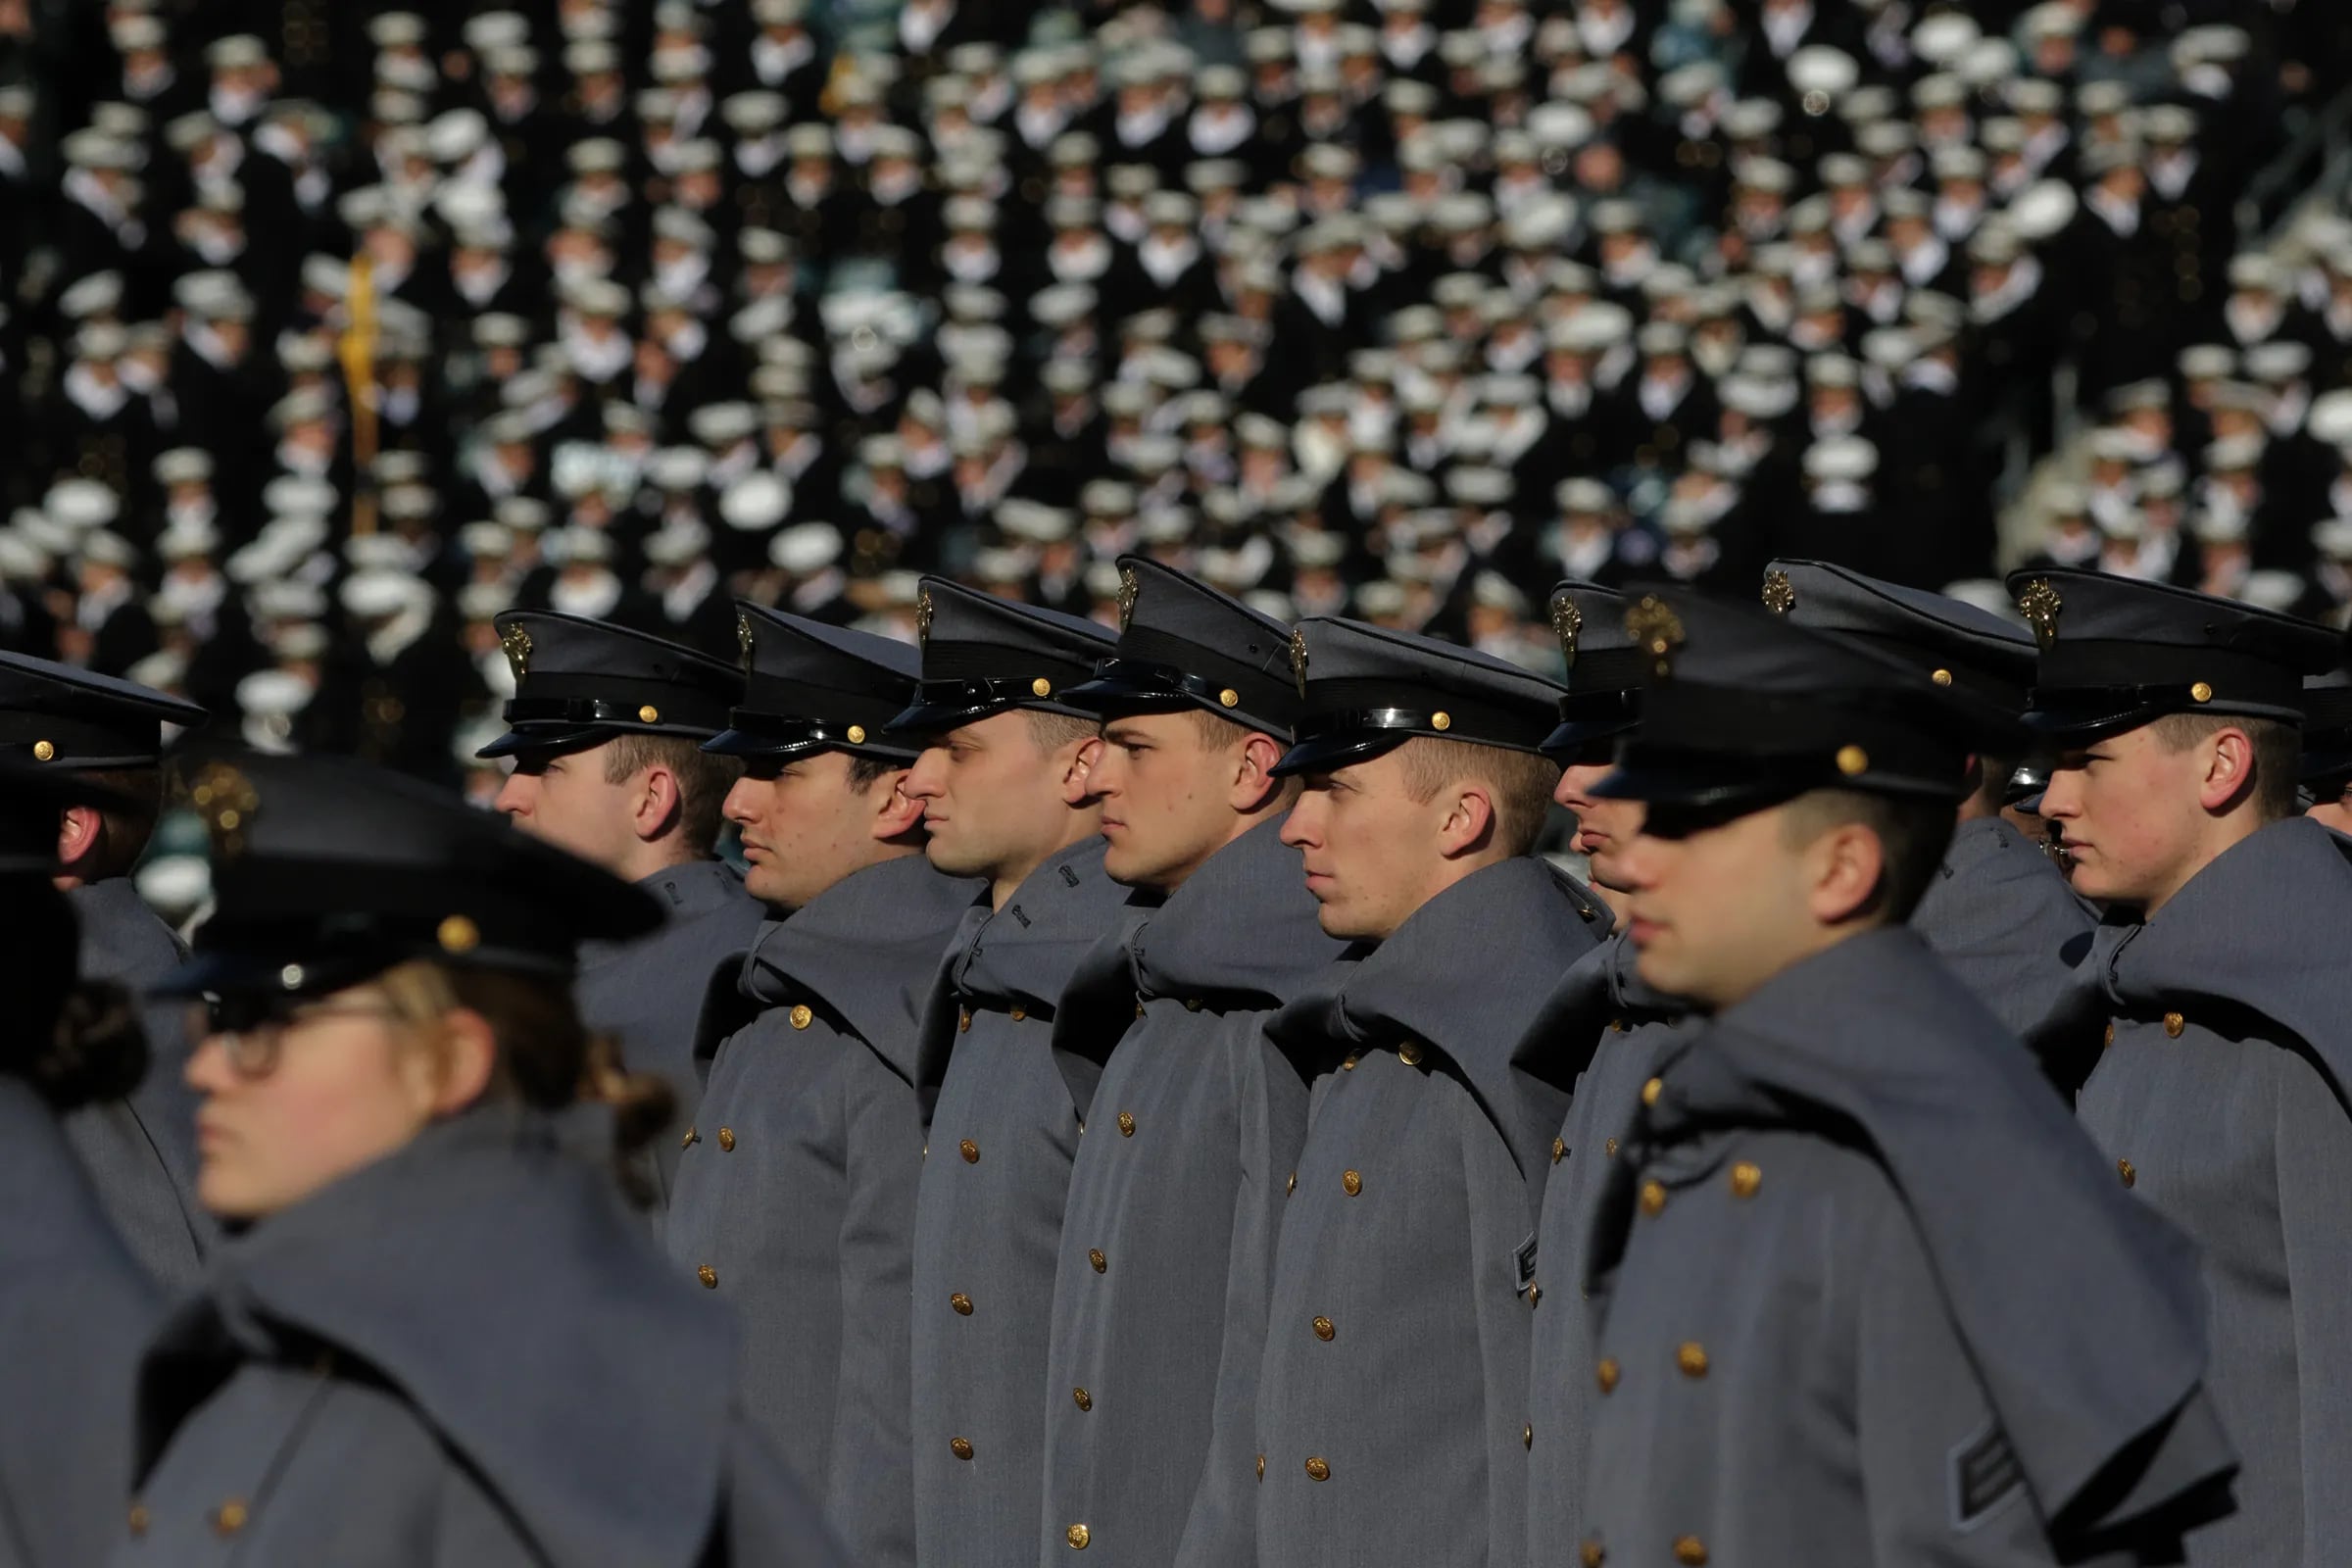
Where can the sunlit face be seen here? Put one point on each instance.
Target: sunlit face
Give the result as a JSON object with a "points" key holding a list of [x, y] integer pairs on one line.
{"points": [[1167, 797], [1604, 827], [565, 799], [346, 1088], [2131, 816], [992, 795], [803, 827], [1716, 906], [1372, 853], [2336, 811]]}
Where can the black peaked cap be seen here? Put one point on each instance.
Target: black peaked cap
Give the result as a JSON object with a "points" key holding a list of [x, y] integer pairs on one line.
{"points": [[2116, 653], [581, 682], [982, 654], [1183, 644], [1605, 670], [1744, 710], [2328, 728], [58, 716], [328, 871], [1369, 690], [809, 687], [1956, 644]]}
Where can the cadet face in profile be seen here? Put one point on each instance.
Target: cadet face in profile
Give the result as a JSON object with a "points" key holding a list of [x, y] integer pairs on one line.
{"points": [[603, 803], [2141, 812], [1170, 786], [808, 822], [996, 793]]}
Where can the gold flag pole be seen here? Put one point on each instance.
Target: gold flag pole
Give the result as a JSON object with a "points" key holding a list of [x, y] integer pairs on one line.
{"points": [[357, 350]]}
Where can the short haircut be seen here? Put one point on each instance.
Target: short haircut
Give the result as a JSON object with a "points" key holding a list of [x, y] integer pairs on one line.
{"points": [[1053, 731], [867, 771], [1914, 834], [704, 779], [2277, 754], [1522, 783]]}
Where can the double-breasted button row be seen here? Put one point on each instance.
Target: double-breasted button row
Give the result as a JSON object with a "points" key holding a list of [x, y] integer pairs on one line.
{"points": [[2127, 1171], [1081, 1398], [1559, 1149], [2174, 1024], [709, 1276], [1351, 1183], [1126, 1124], [960, 1448], [801, 1017], [1324, 1330], [1095, 1258], [230, 1516], [1318, 1469], [1078, 1536], [963, 1021], [1410, 1053], [962, 1303], [969, 1151]]}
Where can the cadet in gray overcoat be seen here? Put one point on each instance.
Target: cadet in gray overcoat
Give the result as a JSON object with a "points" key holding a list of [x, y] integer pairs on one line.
{"points": [[74, 1306], [1861, 1293], [1391, 1402], [438, 1339], [606, 727], [2221, 1097], [795, 1192], [1151, 1299], [140, 1149], [1001, 779]]}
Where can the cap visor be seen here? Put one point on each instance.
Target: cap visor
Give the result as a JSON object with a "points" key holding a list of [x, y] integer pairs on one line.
{"points": [[932, 718], [1106, 693], [550, 738], [1324, 754], [1576, 734], [1666, 784]]}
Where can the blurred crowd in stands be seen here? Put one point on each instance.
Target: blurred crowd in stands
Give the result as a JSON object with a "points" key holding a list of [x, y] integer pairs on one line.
{"points": [[330, 330]]}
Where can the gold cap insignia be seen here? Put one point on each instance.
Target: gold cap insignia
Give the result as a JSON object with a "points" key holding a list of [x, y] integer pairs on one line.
{"points": [[227, 801], [1298, 658], [458, 934], [923, 618], [742, 641], [2042, 604], [1567, 623], [1655, 629], [1780, 594], [1130, 588], [518, 644]]}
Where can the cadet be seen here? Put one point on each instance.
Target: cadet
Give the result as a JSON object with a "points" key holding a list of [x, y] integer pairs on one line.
{"points": [[439, 1337], [1391, 1397], [1862, 1293], [140, 1150], [1998, 912], [2327, 767], [74, 1305], [1601, 1034], [795, 1192], [2221, 1095], [1001, 781], [1192, 1099], [605, 728]]}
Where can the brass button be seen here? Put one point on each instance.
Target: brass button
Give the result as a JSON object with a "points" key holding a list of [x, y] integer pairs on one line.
{"points": [[1042, 687], [1410, 1053], [1318, 1470], [1653, 1197], [1195, 1004], [962, 1303], [1534, 1296], [2110, 1040], [1526, 1436], [1441, 720], [1084, 1399], [726, 1140], [1078, 1535], [1609, 1147], [1018, 1013], [1350, 1183], [2200, 692], [1559, 1149], [709, 1276], [1651, 1089], [1852, 761], [1293, 1186], [138, 1518], [690, 1138], [960, 1448], [1096, 1258], [963, 1021], [1126, 1124], [2127, 1171], [1139, 1008], [229, 1517], [2173, 1023], [1347, 1062], [801, 1017], [1689, 1550], [1607, 1374], [649, 714], [856, 734], [1692, 1359], [1229, 697], [1261, 1468], [44, 752], [1324, 1330], [1619, 1026], [1746, 1177], [1593, 1555], [970, 1151], [1942, 678]]}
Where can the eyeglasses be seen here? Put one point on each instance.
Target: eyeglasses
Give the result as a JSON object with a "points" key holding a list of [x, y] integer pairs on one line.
{"points": [[252, 1032]]}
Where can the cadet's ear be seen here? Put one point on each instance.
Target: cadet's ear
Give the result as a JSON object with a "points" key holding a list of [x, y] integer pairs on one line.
{"points": [[656, 806], [77, 830], [895, 816], [466, 1061], [2229, 768], [1469, 821], [1843, 866], [1081, 763], [1254, 780]]}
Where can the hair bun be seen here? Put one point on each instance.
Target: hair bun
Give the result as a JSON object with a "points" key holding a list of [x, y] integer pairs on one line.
{"points": [[97, 1050]]}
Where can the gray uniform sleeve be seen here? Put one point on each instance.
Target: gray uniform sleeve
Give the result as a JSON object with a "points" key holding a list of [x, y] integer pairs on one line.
{"points": [[869, 1487], [2314, 1172], [1222, 1530]]}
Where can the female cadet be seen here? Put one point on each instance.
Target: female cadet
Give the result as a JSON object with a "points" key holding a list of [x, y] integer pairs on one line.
{"points": [[75, 1307], [434, 1336]]}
